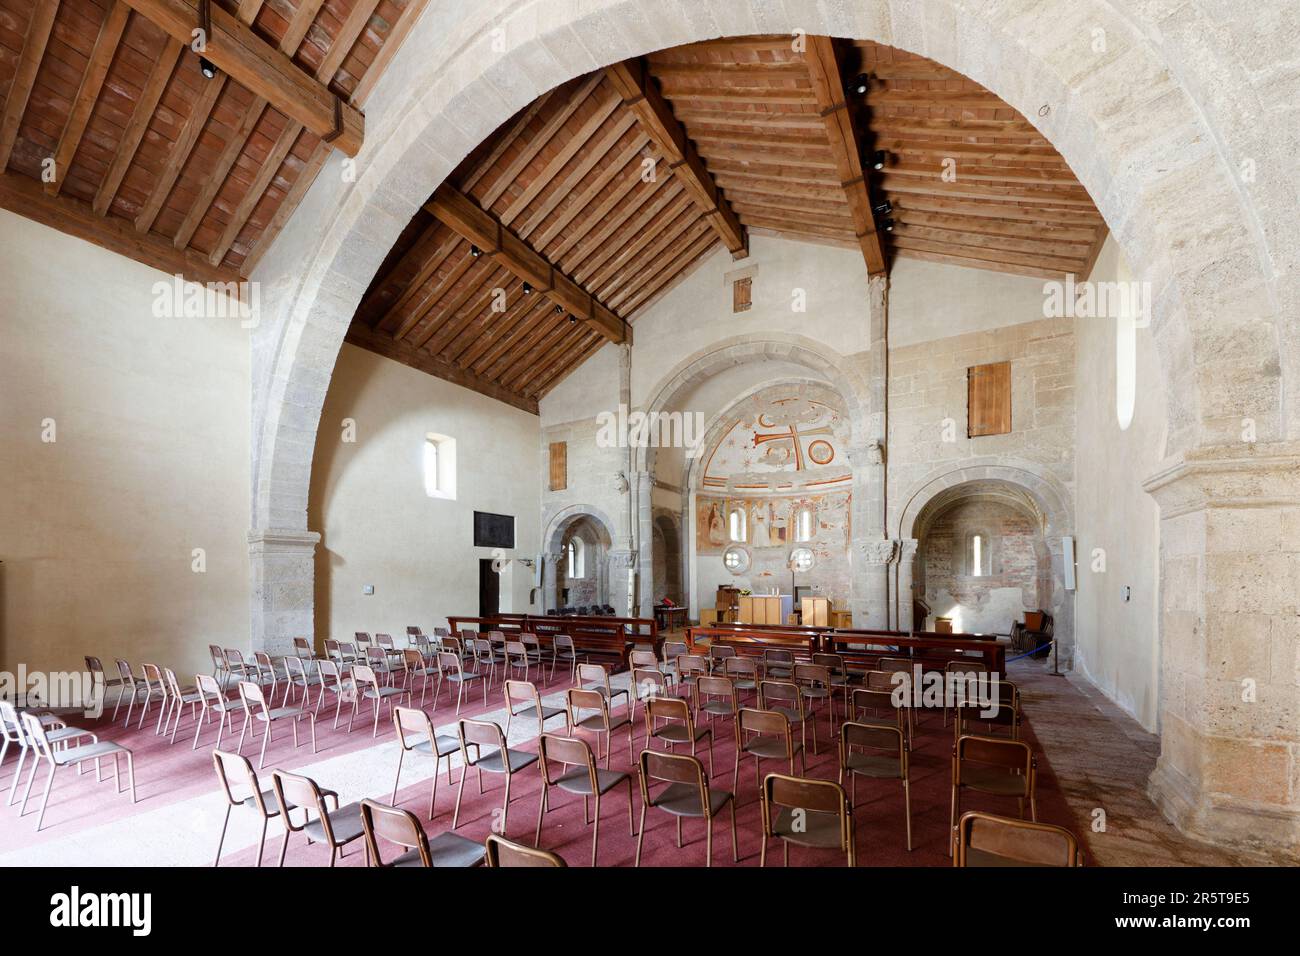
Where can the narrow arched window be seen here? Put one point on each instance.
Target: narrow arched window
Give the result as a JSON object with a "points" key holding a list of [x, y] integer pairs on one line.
{"points": [[577, 558], [737, 524], [804, 524]]}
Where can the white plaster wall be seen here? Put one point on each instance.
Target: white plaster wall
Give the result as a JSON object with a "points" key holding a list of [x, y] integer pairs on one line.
{"points": [[697, 312], [1117, 641], [98, 528], [378, 526], [930, 300]]}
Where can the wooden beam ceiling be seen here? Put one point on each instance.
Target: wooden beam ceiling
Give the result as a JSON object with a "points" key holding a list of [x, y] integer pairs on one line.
{"points": [[642, 97], [235, 49], [106, 111], [472, 223], [826, 73]]}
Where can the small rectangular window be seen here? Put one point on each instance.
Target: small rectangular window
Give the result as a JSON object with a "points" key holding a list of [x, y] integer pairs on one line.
{"points": [[440, 467], [988, 399]]}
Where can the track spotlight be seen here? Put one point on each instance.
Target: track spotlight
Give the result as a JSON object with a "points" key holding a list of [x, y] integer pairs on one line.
{"points": [[528, 289], [884, 209], [572, 318], [862, 84], [207, 68], [887, 225], [559, 310], [878, 161], [475, 251]]}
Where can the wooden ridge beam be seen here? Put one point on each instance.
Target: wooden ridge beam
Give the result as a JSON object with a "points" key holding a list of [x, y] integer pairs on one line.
{"points": [[479, 227], [240, 53], [828, 86], [640, 94]]}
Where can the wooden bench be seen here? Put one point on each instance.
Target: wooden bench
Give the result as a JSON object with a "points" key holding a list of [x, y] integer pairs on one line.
{"points": [[606, 640]]}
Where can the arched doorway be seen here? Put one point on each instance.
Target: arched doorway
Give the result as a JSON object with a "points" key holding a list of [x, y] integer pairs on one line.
{"points": [[667, 564], [981, 560], [576, 561]]}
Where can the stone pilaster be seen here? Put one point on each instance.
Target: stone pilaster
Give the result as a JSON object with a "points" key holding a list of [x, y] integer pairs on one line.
{"points": [[643, 484], [870, 592], [1229, 766], [903, 595], [622, 580], [282, 569], [550, 580]]}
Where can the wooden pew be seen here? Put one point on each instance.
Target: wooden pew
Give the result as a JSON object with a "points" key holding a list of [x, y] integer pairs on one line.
{"points": [[604, 639]]}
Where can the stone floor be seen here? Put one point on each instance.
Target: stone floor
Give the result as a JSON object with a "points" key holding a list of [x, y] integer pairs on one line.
{"points": [[1102, 758]]}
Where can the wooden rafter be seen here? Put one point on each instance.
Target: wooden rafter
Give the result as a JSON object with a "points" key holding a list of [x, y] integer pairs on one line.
{"points": [[38, 35], [828, 88], [642, 96], [479, 227], [91, 83], [236, 50]]}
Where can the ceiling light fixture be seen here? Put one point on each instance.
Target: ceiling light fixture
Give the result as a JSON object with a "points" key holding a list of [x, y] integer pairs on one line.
{"points": [[207, 68], [878, 161], [862, 84], [475, 251], [887, 225], [528, 289]]}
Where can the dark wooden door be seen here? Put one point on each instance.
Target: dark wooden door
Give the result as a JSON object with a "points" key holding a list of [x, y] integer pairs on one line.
{"points": [[489, 589]]}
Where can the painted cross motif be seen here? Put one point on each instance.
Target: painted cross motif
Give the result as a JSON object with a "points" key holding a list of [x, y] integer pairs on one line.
{"points": [[792, 435]]}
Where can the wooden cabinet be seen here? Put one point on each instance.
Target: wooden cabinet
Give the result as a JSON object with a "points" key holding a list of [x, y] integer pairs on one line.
{"points": [[815, 611], [760, 609]]}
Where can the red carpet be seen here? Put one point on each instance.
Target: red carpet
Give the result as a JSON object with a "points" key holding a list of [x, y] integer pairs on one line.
{"points": [[165, 774]]}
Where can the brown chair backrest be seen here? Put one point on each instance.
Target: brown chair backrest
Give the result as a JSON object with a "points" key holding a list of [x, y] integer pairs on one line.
{"points": [[776, 655], [93, 665], [562, 642], [124, 671], [692, 664], [412, 659], [864, 698], [567, 751], [744, 666], [769, 723], [662, 767], [667, 708], [577, 699], [384, 640], [1023, 841], [997, 751], [717, 687], [236, 774], [880, 680], [593, 674], [721, 651], [818, 674], [522, 691], [779, 692], [853, 734], [820, 796], [295, 790], [503, 852], [483, 733], [649, 680], [393, 825], [364, 674], [412, 720], [643, 659], [675, 649]]}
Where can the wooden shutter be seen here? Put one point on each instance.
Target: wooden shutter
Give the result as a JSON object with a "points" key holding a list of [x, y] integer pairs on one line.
{"points": [[988, 399], [559, 465], [741, 292]]}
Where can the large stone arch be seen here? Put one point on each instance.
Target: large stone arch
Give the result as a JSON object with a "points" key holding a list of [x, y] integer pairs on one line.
{"points": [[553, 541], [1157, 120], [1051, 501]]}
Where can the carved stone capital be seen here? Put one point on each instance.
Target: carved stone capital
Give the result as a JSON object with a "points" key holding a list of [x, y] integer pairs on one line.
{"points": [[881, 551]]}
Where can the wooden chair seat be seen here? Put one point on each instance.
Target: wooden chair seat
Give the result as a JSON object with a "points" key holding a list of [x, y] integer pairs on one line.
{"points": [[816, 829], [683, 800]]}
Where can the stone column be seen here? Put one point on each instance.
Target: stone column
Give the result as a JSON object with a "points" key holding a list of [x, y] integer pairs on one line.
{"points": [[1229, 766], [282, 570], [622, 571], [550, 581], [871, 565], [643, 483], [903, 596]]}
